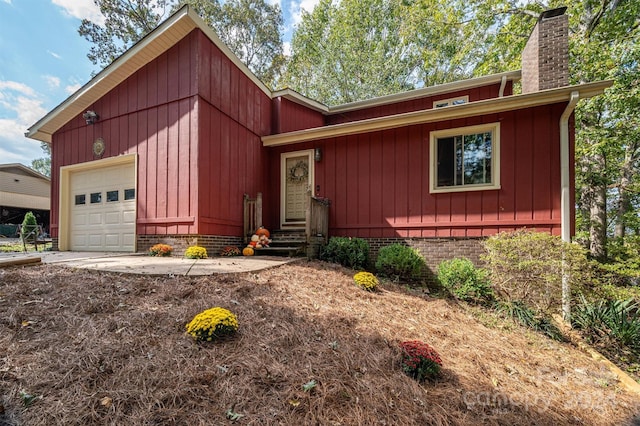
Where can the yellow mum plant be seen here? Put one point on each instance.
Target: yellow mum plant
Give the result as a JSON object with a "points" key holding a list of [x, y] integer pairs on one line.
{"points": [[212, 324], [366, 280], [196, 252]]}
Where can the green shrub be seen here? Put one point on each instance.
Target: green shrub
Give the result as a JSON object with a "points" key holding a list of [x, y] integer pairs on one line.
{"points": [[464, 280], [528, 266], [615, 292], [622, 268], [366, 281], [212, 324], [398, 261], [420, 361], [29, 224], [350, 252], [196, 252], [618, 319]]}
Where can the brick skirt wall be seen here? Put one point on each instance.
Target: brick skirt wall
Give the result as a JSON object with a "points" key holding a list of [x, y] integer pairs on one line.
{"points": [[434, 250], [213, 243]]}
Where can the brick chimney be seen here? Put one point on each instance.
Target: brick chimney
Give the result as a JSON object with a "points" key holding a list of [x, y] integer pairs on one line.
{"points": [[545, 58]]}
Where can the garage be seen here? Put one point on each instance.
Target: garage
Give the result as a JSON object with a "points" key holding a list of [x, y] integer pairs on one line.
{"points": [[102, 209]]}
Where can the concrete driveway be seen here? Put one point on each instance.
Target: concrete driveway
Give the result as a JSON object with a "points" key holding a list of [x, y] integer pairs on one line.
{"points": [[146, 265]]}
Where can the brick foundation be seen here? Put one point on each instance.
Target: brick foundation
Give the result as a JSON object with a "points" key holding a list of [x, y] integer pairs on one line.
{"points": [[213, 243], [434, 250]]}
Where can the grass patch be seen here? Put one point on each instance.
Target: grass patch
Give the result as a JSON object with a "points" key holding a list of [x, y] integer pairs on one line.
{"points": [[14, 247]]}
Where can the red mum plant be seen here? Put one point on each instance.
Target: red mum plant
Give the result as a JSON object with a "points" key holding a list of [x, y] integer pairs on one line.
{"points": [[420, 361]]}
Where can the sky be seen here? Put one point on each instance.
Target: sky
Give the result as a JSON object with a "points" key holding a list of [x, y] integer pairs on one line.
{"points": [[43, 60]]}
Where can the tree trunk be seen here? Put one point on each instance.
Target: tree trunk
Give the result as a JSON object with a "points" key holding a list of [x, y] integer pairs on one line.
{"points": [[598, 210], [583, 202], [624, 197]]}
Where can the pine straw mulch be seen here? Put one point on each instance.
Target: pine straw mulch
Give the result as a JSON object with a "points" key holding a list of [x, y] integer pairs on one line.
{"points": [[103, 348]]}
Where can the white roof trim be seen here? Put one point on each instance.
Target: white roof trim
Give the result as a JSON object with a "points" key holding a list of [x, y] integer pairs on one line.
{"points": [[427, 91], [300, 99], [455, 86], [488, 106]]}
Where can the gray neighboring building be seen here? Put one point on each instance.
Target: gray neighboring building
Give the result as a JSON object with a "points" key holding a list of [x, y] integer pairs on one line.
{"points": [[22, 190]]}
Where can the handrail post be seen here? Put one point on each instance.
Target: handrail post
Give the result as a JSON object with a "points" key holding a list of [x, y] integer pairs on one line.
{"points": [[308, 216], [258, 218]]}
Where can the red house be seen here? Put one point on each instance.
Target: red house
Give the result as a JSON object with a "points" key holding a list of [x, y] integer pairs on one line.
{"points": [[164, 143]]}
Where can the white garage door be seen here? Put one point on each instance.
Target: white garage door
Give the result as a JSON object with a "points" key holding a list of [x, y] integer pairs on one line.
{"points": [[103, 209]]}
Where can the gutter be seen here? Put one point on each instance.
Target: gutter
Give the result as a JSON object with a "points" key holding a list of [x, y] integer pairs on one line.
{"points": [[503, 84], [565, 198], [565, 187]]}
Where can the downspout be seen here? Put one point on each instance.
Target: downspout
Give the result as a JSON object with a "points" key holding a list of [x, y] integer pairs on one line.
{"points": [[503, 84], [565, 198]]}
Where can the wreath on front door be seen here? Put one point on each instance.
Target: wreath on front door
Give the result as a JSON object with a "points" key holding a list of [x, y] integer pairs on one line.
{"points": [[298, 173]]}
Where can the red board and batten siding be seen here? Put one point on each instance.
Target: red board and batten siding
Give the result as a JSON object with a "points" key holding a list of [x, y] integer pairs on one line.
{"points": [[150, 114], [195, 121], [233, 114], [289, 116], [378, 182]]}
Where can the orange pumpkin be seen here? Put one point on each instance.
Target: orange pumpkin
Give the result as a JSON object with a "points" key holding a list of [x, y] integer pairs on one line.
{"points": [[263, 231], [247, 251]]}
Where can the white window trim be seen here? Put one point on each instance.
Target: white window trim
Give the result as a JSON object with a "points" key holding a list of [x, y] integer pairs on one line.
{"points": [[495, 158], [450, 101]]}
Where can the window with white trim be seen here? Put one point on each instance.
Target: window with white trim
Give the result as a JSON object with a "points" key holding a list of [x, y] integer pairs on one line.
{"points": [[451, 102], [465, 159]]}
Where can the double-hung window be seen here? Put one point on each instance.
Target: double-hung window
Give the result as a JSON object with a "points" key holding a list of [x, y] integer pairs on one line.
{"points": [[465, 159]]}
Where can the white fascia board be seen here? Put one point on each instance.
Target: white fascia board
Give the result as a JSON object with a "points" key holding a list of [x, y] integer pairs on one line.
{"points": [[300, 99], [427, 91]]}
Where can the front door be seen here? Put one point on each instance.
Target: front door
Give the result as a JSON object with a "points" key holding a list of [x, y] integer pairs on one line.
{"points": [[297, 180]]}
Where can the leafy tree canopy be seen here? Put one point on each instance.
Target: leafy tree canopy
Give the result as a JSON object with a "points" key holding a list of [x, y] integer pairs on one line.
{"points": [[43, 165], [250, 28], [356, 49]]}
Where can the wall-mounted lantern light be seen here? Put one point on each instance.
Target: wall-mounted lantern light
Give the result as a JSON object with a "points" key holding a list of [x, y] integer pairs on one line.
{"points": [[90, 117], [317, 154]]}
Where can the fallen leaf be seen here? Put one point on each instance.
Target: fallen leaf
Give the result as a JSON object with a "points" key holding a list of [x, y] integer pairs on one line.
{"points": [[233, 416], [309, 385], [27, 399], [294, 402]]}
